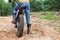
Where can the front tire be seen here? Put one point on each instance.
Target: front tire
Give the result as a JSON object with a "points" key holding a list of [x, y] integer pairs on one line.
{"points": [[20, 25]]}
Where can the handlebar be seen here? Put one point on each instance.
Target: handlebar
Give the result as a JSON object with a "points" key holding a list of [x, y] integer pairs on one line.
{"points": [[12, 1]]}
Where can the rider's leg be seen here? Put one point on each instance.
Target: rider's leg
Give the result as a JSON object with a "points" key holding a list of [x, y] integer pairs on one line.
{"points": [[27, 13]]}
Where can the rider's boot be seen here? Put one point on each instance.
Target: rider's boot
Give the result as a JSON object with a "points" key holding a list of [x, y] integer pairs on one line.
{"points": [[14, 21], [28, 29]]}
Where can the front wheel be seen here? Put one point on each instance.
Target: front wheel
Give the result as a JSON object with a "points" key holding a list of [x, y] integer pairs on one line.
{"points": [[20, 25]]}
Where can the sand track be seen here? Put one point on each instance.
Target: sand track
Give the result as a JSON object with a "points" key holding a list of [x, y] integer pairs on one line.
{"points": [[40, 30]]}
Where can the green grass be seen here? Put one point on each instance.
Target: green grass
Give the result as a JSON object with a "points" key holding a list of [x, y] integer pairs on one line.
{"points": [[45, 15], [35, 13], [58, 24], [49, 16], [58, 31]]}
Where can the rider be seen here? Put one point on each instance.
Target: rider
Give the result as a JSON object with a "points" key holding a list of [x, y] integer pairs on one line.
{"points": [[27, 12]]}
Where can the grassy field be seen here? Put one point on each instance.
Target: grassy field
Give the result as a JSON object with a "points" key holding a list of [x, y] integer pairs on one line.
{"points": [[47, 15]]}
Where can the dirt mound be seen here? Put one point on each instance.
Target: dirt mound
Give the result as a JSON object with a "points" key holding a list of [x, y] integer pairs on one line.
{"points": [[40, 30]]}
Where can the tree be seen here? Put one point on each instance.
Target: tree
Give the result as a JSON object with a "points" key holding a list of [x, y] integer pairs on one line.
{"points": [[5, 8], [45, 5], [36, 5]]}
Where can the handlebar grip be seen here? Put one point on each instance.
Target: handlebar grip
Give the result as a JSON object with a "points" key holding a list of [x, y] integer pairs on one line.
{"points": [[10, 0]]}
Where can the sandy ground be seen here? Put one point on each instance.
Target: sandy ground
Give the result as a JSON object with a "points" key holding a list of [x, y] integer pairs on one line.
{"points": [[41, 30]]}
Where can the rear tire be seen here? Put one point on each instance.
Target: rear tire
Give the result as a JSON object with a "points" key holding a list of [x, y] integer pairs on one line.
{"points": [[20, 25]]}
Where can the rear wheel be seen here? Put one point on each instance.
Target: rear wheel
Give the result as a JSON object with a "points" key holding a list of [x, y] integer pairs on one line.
{"points": [[20, 25]]}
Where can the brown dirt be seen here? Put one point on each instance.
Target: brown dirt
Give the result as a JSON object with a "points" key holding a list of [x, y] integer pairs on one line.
{"points": [[41, 30]]}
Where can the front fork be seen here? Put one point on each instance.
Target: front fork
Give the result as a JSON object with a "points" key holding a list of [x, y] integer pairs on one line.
{"points": [[17, 15], [17, 18]]}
